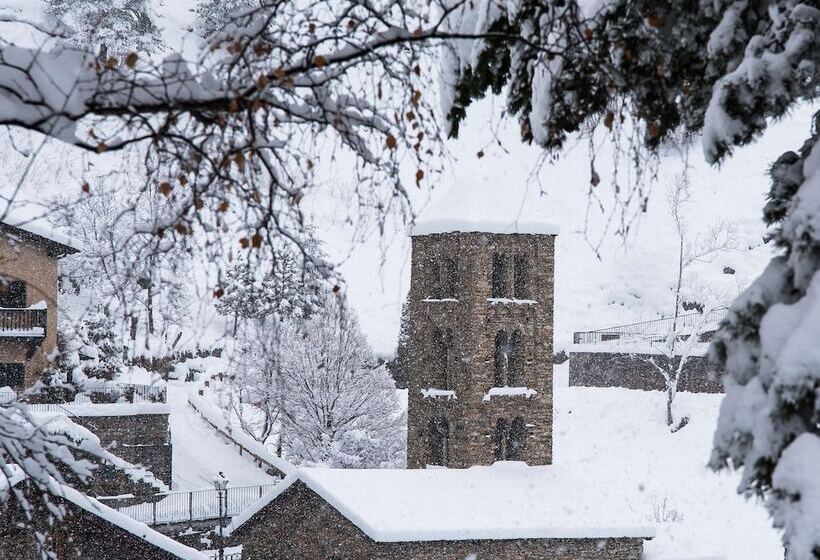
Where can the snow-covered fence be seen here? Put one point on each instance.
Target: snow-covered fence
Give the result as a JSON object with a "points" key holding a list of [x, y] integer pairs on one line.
{"points": [[196, 505], [647, 330], [128, 392]]}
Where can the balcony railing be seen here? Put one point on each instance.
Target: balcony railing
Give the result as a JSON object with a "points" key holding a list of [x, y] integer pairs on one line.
{"points": [[23, 322], [648, 330]]}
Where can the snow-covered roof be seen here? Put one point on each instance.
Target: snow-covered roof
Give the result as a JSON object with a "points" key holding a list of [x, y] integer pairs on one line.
{"points": [[40, 228], [503, 501], [429, 227], [136, 528]]}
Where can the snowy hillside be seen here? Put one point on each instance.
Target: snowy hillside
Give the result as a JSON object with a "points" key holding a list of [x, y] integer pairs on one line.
{"points": [[697, 513]]}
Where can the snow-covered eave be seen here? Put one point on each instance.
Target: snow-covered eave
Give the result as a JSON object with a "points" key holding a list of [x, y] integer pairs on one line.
{"points": [[439, 534], [431, 227], [136, 528], [60, 243]]}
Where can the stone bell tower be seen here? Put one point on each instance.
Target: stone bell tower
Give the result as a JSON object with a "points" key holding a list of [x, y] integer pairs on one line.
{"points": [[481, 329]]}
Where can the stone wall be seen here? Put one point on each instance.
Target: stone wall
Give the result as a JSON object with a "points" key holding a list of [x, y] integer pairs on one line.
{"points": [[137, 438], [23, 258], [633, 371], [300, 524], [474, 319]]}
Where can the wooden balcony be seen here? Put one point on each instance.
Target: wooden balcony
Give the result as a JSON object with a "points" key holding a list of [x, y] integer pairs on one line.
{"points": [[23, 323]]}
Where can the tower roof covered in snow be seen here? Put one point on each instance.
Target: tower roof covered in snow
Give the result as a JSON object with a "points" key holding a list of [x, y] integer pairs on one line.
{"points": [[485, 208]]}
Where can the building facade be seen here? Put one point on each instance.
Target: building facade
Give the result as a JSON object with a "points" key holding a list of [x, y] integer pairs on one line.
{"points": [[481, 332], [28, 303], [301, 524]]}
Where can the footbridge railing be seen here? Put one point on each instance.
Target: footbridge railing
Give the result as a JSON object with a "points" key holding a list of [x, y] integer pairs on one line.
{"points": [[647, 329], [195, 505]]}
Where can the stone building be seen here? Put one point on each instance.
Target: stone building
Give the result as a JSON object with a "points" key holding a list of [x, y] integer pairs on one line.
{"points": [[507, 511], [481, 331], [28, 300]]}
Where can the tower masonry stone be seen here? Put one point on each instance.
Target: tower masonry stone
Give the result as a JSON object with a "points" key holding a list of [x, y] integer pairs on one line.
{"points": [[481, 345]]}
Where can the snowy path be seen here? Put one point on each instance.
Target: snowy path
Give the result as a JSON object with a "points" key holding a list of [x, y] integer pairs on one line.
{"points": [[200, 453]]}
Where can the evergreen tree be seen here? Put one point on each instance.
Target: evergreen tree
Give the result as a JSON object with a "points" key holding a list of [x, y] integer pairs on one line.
{"points": [[288, 289], [213, 15], [103, 348], [110, 28], [399, 366], [723, 69]]}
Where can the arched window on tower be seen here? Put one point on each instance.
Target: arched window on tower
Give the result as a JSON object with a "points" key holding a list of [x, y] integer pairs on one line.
{"points": [[451, 285], [439, 433], [515, 360], [521, 277], [441, 355], [435, 279], [501, 358], [449, 349], [499, 279], [515, 439], [500, 439]]}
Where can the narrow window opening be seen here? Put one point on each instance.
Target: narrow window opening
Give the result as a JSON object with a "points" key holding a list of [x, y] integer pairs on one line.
{"points": [[500, 439], [439, 441], [452, 279], [440, 359], [449, 348], [515, 439], [435, 280], [12, 375], [521, 272], [501, 358], [515, 366], [12, 293], [499, 287]]}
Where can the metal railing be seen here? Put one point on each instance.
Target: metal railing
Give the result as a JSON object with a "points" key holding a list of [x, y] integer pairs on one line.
{"points": [[120, 393], [196, 505], [23, 320], [647, 330], [128, 392]]}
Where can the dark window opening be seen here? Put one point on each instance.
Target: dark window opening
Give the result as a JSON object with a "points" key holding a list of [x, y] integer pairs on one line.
{"points": [[435, 280], [452, 279], [448, 359], [12, 375], [12, 293], [441, 357], [515, 359], [499, 287], [439, 430], [521, 272], [500, 439], [501, 358], [515, 439]]}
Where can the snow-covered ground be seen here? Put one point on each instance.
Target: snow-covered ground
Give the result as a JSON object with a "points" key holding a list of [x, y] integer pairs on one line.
{"points": [[199, 453], [599, 429]]}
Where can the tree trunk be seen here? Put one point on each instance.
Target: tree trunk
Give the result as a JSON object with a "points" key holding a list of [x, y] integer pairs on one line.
{"points": [[670, 395]]}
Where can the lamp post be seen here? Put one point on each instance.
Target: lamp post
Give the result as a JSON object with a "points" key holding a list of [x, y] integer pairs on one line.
{"points": [[221, 486]]}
